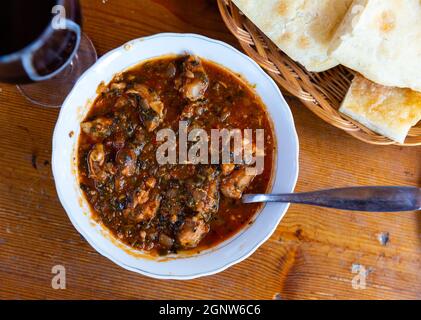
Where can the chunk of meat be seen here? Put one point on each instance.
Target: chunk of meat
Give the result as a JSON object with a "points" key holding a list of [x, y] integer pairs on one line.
{"points": [[140, 90], [150, 182], [227, 168], [125, 100], [118, 86], [141, 194], [247, 151], [149, 210], [100, 128], [96, 160], [140, 197], [152, 106], [195, 89], [150, 98], [165, 241], [126, 160], [171, 70], [188, 111], [194, 79], [144, 208], [158, 107], [234, 185], [194, 109], [206, 200], [146, 202], [152, 123], [192, 232]]}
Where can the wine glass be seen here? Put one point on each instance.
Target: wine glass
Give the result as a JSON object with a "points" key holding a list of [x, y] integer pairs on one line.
{"points": [[43, 48]]}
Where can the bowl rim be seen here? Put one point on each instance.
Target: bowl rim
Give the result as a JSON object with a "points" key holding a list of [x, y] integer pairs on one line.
{"points": [[232, 262]]}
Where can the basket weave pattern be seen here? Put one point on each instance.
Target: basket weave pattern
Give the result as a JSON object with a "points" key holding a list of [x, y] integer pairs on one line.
{"points": [[321, 92]]}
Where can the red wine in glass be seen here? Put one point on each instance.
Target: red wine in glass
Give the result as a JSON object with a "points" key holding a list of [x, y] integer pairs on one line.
{"points": [[43, 49]]}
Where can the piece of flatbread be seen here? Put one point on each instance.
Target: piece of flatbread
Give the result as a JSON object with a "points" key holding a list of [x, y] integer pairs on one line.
{"points": [[303, 29], [388, 111], [381, 39]]}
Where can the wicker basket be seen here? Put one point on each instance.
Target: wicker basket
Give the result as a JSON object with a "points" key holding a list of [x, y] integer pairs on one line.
{"points": [[321, 92]]}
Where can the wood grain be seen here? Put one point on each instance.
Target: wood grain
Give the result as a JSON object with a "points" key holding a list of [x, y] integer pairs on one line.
{"points": [[311, 254]]}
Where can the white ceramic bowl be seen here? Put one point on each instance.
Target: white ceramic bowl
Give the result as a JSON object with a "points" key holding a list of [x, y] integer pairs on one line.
{"points": [[66, 134]]}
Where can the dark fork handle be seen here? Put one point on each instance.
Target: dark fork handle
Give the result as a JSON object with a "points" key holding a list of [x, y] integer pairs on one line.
{"points": [[373, 199]]}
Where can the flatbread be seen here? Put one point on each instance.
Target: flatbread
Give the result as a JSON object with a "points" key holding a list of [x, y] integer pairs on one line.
{"points": [[388, 111], [303, 29], [381, 39]]}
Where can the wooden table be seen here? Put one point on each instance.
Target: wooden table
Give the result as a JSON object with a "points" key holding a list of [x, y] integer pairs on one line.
{"points": [[310, 256]]}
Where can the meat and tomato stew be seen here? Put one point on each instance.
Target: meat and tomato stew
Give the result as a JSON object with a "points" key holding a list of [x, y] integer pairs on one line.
{"points": [[165, 208]]}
